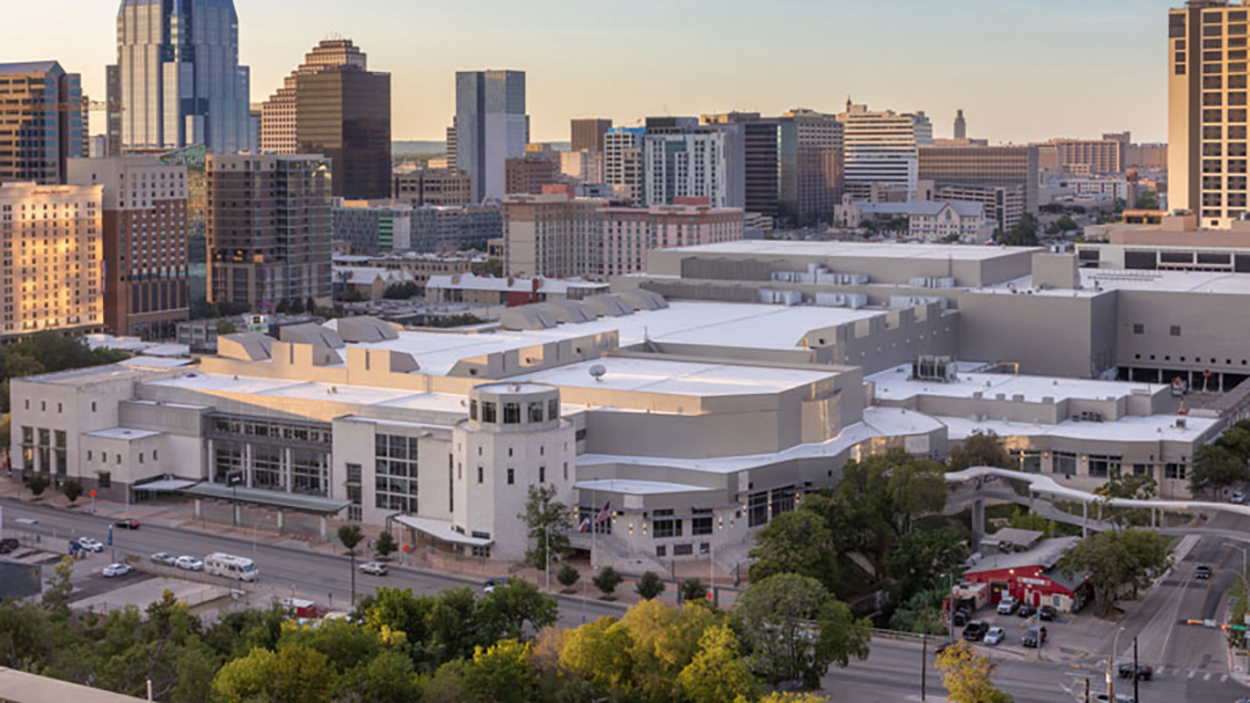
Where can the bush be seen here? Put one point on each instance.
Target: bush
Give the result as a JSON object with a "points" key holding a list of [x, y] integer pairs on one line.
{"points": [[650, 585], [386, 545], [692, 589], [607, 580], [72, 490], [567, 576], [38, 484]]}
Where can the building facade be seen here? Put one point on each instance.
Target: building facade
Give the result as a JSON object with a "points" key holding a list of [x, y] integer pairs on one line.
{"points": [[881, 147], [623, 163], [372, 226], [530, 172], [1003, 205], [811, 166], [1090, 156], [989, 166], [491, 127], [43, 121], [51, 237], [585, 165], [695, 163], [587, 134], [926, 220], [433, 186], [553, 235], [630, 233], [269, 229], [181, 82], [146, 268], [278, 113]]}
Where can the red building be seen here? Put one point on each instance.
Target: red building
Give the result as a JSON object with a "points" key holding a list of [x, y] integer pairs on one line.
{"points": [[1031, 576]]}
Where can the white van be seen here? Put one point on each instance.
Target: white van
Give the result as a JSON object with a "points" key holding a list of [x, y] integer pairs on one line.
{"points": [[230, 566]]}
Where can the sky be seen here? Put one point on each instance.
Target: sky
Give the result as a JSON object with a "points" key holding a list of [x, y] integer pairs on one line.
{"points": [[1021, 70]]}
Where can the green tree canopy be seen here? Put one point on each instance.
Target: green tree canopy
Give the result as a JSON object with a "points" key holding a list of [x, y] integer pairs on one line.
{"points": [[718, 672], [514, 610], [1216, 466], [922, 560], [548, 521], [294, 673], [1116, 559], [797, 542], [980, 449]]}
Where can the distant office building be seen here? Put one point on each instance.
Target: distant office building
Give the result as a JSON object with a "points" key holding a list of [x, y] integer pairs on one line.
{"points": [[1089, 156], [588, 133], [269, 228], [181, 82], [882, 147], [52, 245], [432, 186], [811, 166], [192, 160], [145, 242], [927, 220], [446, 228], [961, 126], [451, 146], [629, 233], [43, 121], [683, 160], [623, 163], [585, 165], [382, 226], [530, 172], [113, 105], [761, 161], [491, 127], [1003, 205], [332, 105], [988, 166], [372, 226]]}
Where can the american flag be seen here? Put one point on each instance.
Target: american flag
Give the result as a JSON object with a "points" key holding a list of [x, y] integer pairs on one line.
{"points": [[605, 513]]}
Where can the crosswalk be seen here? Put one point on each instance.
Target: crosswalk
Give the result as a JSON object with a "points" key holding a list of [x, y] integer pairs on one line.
{"points": [[1175, 672]]}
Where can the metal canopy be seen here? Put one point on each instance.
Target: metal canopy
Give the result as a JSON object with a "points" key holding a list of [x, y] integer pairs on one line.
{"points": [[290, 501], [439, 529]]}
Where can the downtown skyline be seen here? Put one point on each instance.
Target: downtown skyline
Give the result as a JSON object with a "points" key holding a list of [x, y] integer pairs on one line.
{"points": [[1016, 68]]}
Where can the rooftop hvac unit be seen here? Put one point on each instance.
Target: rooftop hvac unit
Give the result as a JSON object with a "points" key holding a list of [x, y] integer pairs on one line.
{"points": [[933, 368]]}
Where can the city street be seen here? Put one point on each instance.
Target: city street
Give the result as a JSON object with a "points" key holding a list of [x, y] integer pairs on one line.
{"points": [[287, 570]]}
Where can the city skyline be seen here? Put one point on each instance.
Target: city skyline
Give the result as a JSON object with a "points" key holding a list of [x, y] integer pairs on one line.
{"points": [[1036, 64]]}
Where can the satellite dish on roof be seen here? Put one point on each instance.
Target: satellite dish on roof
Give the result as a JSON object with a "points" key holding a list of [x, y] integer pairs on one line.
{"points": [[597, 372]]}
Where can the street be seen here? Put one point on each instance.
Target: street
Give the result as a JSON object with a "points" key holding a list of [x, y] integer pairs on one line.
{"points": [[291, 571]]}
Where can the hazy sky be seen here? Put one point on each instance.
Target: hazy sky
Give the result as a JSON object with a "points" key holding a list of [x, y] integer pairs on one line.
{"points": [[1020, 69]]}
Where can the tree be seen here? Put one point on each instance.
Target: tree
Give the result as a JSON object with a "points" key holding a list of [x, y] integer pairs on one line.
{"points": [[310, 306], [966, 675], [1024, 520], [387, 678], [548, 522], [783, 697], [37, 484], [795, 629], [1066, 223], [1238, 607], [1216, 466], [1148, 200], [225, 327], [921, 613], [922, 560], [72, 490], [56, 595], [385, 545], [1114, 560], [1133, 486], [297, 306], [980, 449], [649, 585], [283, 307], [350, 535], [514, 609], [502, 673], [797, 542], [691, 589], [567, 576], [607, 580], [888, 491], [295, 673], [718, 671], [1024, 233]]}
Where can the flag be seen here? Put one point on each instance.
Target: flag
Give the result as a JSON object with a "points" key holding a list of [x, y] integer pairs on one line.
{"points": [[605, 513], [585, 525]]}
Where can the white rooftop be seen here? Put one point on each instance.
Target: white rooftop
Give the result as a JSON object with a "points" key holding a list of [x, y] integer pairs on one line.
{"points": [[835, 249], [215, 384], [472, 281], [677, 377], [125, 433], [1132, 428], [896, 385], [636, 487], [1097, 281]]}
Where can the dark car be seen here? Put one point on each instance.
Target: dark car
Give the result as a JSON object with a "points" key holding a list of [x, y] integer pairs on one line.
{"points": [[1144, 671], [8, 544], [976, 630], [128, 524], [1047, 612], [1202, 573], [1033, 638], [961, 617], [1026, 611]]}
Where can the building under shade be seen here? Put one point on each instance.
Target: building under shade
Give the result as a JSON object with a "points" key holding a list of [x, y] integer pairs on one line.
{"points": [[43, 121]]}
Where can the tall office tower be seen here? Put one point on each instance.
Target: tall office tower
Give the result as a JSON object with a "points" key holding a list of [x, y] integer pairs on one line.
{"points": [[810, 157], [181, 82], [334, 106], [113, 104], [961, 126], [682, 158], [269, 228], [588, 133], [491, 127], [145, 242], [623, 162], [585, 165], [451, 144], [42, 121], [761, 164], [881, 148], [51, 247]]}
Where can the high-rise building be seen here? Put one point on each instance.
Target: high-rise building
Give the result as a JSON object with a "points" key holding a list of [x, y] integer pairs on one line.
{"points": [[623, 168], [113, 105], [1090, 156], [334, 106], [585, 165], [269, 228], [491, 127], [588, 133], [761, 162], [451, 144], [1207, 112], [50, 238], [881, 148], [988, 166], [145, 242], [530, 172], [811, 166], [683, 159], [961, 126], [43, 121], [432, 186], [181, 82]]}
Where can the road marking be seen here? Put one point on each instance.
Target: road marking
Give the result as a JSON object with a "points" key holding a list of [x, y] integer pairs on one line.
{"points": [[1207, 677], [1191, 674]]}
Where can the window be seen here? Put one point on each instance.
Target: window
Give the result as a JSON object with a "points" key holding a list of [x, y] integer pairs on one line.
{"points": [[701, 526], [480, 474], [1141, 469], [683, 550], [140, 457], [542, 474], [511, 413], [1174, 471], [473, 409], [566, 471], [667, 527], [1175, 330], [1103, 466], [661, 550], [488, 412], [536, 412], [88, 455], [553, 409], [105, 479], [1064, 463], [757, 509], [395, 473], [511, 476], [1139, 328]]}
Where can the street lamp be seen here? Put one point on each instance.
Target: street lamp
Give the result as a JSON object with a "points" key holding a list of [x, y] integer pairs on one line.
{"points": [[234, 478], [1115, 647]]}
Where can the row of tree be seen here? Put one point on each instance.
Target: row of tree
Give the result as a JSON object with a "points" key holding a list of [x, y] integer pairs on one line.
{"points": [[46, 352], [1223, 463]]}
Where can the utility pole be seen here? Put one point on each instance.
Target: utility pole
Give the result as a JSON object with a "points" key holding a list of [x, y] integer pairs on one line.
{"points": [[1135, 677], [924, 662], [1086, 689], [547, 547]]}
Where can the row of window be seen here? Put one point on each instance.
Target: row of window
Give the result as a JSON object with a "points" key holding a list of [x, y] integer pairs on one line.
{"points": [[512, 411]]}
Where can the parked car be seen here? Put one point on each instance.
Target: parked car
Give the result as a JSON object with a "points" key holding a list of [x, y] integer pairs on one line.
{"points": [[1119, 698], [1007, 605], [189, 563], [117, 569], [489, 586], [1237, 497], [994, 635], [1202, 573], [1144, 671], [376, 568], [8, 544], [975, 631], [128, 524], [1047, 612], [962, 616], [1033, 638], [26, 521], [91, 545], [1025, 610], [164, 559]]}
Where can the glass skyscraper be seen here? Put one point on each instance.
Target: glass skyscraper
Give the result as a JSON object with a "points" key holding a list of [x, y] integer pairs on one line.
{"points": [[491, 127], [180, 79]]}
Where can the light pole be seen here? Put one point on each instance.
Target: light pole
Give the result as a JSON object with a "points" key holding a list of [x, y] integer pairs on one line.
{"points": [[1115, 647]]}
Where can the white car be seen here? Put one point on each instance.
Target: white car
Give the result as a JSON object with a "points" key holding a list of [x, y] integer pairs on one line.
{"points": [[376, 568], [189, 563], [1007, 605], [995, 635], [117, 569], [1237, 497], [93, 545]]}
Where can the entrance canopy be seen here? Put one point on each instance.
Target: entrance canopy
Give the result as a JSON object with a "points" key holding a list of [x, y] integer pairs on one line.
{"points": [[165, 485], [439, 529], [276, 499]]}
